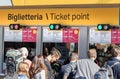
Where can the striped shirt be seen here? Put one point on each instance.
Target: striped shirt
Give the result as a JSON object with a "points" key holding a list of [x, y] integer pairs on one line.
{"points": [[69, 68]]}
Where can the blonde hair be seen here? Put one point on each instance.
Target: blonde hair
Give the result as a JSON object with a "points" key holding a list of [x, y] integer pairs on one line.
{"points": [[24, 51], [92, 53], [55, 52], [117, 49], [38, 65], [23, 69], [74, 56]]}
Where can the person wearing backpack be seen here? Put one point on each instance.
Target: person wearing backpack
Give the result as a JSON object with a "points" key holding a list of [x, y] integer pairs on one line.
{"points": [[114, 61], [86, 68], [105, 72]]}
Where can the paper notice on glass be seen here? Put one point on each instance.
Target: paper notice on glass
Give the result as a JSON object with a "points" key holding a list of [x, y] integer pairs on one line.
{"points": [[52, 35], [18, 36], [12, 35], [99, 36], [94, 35], [105, 37]]}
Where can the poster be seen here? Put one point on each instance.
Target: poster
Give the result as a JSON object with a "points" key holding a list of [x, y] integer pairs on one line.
{"points": [[70, 35], [115, 36], [29, 34]]}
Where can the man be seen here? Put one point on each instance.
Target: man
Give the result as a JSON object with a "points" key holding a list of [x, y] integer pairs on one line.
{"points": [[54, 56], [114, 61], [86, 68], [68, 70]]}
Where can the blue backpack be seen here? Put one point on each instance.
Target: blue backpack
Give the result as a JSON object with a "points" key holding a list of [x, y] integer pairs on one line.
{"points": [[101, 74], [104, 72]]}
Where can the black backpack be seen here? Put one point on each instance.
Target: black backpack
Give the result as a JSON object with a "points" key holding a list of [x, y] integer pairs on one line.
{"points": [[11, 65]]}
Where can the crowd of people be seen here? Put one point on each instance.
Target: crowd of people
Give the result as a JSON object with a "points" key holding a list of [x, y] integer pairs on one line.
{"points": [[41, 68]]}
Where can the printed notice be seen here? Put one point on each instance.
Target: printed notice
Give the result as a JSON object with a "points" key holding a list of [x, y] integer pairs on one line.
{"points": [[99, 36], [51, 36]]}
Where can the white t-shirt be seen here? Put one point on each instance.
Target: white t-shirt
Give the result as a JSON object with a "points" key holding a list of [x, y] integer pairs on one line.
{"points": [[40, 75]]}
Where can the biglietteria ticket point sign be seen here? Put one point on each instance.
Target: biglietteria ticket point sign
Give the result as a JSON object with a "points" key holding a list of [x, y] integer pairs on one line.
{"points": [[76, 16]]}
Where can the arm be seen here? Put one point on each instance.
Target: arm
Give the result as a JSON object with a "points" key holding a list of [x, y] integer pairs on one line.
{"points": [[67, 71], [65, 77]]}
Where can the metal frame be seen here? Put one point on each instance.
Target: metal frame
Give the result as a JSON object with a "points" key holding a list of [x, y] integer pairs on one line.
{"points": [[62, 6], [83, 42], [39, 42], [1, 48]]}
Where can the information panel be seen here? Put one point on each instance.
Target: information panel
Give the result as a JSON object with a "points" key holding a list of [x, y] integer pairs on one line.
{"points": [[115, 36], [22, 35], [29, 34], [70, 35], [12, 35], [52, 35], [64, 35], [99, 36]]}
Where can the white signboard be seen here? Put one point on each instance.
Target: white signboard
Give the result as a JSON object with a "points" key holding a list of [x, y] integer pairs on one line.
{"points": [[99, 36], [5, 2], [12, 35], [52, 35]]}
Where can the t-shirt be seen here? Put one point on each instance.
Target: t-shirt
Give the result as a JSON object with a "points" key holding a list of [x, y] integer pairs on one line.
{"points": [[40, 75], [21, 76], [86, 69]]}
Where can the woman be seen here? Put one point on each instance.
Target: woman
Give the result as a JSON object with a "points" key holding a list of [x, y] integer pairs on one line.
{"points": [[22, 70], [38, 69]]}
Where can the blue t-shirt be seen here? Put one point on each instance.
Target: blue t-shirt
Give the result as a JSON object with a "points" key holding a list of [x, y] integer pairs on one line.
{"points": [[116, 68]]}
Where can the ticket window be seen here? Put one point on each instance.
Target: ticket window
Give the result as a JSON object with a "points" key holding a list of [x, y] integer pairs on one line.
{"points": [[100, 40], [24, 37], [65, 40]]}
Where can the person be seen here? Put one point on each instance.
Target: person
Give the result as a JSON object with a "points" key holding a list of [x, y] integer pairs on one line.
{"points": [[22, 71], [38, 69], [114, 61], [53, 56], [86, 68], [68, 70], [24, 52], [45, 51]]}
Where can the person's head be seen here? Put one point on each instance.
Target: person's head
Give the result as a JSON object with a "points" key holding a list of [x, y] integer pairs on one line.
{"points": [[54, 55], [37, 65], [92, 54], [73, 56], [115, 52], [23, 68], [38, 62], [24, 52]]}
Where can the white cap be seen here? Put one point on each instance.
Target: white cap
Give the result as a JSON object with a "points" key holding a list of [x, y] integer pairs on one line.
{"points": [[24, 51]]}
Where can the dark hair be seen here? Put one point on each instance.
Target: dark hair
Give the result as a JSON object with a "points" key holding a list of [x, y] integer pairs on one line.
{"points": [[115, 51]]}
